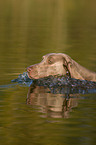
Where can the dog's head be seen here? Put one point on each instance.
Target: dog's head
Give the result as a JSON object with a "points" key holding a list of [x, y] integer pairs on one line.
{"points": [[52, 64]]}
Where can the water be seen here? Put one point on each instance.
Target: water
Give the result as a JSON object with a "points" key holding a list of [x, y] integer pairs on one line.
{"points": [[28, 30]]}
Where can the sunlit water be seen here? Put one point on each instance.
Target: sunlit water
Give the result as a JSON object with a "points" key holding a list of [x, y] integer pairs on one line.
{"points": [[35, 115]]}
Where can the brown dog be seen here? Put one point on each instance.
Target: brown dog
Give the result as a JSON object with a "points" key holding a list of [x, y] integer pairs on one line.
{"points": [[60, 64]]}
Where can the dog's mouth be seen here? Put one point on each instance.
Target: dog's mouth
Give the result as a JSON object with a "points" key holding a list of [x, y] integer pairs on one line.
{"points": [[30, 76]]}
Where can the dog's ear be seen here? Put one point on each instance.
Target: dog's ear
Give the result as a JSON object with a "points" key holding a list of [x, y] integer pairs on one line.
{"points": [[67, 62], [71, 67]]}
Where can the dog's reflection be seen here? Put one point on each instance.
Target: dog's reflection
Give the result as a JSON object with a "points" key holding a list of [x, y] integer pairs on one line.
{"points": [[51, 105]]}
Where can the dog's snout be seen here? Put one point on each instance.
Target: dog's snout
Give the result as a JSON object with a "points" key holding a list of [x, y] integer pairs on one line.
{"points": [[29, 69]]}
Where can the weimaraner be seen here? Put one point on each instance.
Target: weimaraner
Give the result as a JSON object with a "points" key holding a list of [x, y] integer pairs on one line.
{"points": [[59, 64]]}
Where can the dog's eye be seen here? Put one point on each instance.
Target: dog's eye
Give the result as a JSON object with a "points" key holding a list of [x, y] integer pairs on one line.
{"points": [[49, 61]]}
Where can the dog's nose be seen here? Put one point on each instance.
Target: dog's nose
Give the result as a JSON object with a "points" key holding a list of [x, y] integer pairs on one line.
{"points": [[29, 69]]}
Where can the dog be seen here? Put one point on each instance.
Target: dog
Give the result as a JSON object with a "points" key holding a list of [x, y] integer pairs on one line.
{"points": [[59, 64]]}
